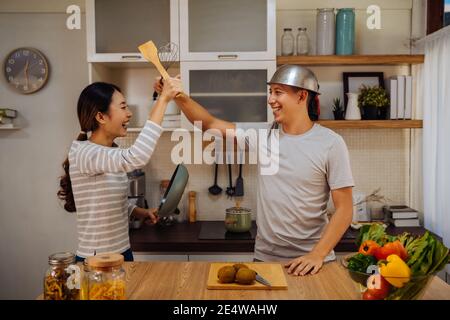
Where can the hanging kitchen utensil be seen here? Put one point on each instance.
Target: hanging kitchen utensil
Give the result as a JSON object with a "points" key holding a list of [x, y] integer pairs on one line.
{"points": [[150, 52], [239, 187], [215, 189], [230, 189], [168, 55]]}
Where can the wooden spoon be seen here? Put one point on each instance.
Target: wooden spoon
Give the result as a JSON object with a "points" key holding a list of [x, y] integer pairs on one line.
{"points": [[150, 52]]}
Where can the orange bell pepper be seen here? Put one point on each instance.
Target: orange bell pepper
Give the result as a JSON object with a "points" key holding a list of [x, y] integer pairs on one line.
{"points": [[369, 248], [391, 248]]}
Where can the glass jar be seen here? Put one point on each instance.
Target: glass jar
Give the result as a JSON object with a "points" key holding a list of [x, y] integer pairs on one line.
{"points": [[302, 42], [84, 293], [345, 31], [106, 277], [62, 278], [325, 28], [287, 42]]}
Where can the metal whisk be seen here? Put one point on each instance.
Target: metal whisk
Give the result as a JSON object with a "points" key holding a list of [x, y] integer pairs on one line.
{"points": [[168, 55]]}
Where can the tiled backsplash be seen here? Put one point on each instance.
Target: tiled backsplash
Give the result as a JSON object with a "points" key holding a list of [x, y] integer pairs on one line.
{"points": [[379, 159]]}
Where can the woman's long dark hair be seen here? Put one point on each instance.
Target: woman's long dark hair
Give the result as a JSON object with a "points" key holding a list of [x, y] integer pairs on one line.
{"points": [[95, 98]]}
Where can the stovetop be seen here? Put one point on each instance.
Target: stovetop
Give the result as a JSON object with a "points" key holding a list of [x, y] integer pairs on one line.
{"points": [[215, 230]]}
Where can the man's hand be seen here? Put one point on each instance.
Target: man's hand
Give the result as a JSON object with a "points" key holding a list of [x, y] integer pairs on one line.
{"points": [[152, 216], [174, 83], [302, 265]]}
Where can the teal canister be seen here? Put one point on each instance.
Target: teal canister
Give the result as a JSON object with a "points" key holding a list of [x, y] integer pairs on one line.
{"points": [[345, 31]]}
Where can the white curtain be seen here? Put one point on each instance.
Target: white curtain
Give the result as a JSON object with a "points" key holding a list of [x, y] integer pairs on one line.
{"points": [[436, 133]]}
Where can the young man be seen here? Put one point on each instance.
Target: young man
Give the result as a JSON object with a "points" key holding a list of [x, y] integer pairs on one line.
{"points": [[291, 205]]}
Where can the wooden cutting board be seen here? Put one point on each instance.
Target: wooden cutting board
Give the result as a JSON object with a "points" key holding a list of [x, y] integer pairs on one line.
{"points": [[272, 272]]}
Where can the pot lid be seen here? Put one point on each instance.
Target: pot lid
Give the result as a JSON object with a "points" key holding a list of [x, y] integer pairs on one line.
{"points": [[238, 210]]}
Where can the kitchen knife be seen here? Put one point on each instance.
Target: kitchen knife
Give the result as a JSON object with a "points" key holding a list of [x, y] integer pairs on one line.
{"points": [[262, 280]]}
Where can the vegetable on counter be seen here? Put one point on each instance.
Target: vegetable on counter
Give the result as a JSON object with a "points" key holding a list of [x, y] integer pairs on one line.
{"points": [[389, 248], [395, 271], [406, 261], [369, 247], [360, 262]]}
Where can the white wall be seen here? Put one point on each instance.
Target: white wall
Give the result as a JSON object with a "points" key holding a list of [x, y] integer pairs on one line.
{"points": [[32, 222]]}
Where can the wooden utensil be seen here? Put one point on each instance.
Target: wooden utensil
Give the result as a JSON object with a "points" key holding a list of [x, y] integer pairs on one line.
{"points": [[273, 272], [150, 52]]}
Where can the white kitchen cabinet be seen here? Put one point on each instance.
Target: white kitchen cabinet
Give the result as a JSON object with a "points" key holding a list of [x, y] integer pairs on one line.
{"points": [[222, 257], [115, 28], [234, 91], [227, 30]]}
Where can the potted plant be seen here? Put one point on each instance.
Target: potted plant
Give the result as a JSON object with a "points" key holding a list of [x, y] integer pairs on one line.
{"points": [[373, 102], [338, 109]]}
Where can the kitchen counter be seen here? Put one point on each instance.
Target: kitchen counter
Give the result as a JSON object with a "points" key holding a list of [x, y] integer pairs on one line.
{"points": [[183, 237], [187, 280]]}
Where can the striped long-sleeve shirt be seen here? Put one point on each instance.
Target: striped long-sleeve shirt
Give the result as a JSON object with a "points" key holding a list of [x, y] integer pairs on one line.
{"points": [[100, 189]]}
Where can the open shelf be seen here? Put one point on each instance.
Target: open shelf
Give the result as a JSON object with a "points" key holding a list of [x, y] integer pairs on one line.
{"points": [[371, 124], [388, 59]]}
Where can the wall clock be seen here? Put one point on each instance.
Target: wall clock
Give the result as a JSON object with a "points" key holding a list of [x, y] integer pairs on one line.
{"points": [[26, 70]]}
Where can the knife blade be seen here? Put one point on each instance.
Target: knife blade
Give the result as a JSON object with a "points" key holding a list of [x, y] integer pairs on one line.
{"points": [[262, 280]]}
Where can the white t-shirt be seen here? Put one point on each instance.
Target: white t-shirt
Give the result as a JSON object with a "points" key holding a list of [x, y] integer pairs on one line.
{"points": [[291, 204]]}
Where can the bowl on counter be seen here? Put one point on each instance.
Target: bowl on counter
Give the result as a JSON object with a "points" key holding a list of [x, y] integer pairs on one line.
{"points": [[412, 290]]}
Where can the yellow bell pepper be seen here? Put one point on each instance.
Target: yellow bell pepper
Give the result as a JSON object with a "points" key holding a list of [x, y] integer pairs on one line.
{"points": [[396, 271]]}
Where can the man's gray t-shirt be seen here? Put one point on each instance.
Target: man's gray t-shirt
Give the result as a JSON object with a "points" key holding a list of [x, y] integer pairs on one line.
{"points": [[291, 204]]}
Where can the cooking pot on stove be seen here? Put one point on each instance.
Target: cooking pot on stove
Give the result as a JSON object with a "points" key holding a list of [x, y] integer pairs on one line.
{"points": [[238, 219]]}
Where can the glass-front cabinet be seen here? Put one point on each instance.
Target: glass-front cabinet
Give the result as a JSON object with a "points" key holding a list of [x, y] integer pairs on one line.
{"points": [[115, 28], [234, 91], [215, 30]]}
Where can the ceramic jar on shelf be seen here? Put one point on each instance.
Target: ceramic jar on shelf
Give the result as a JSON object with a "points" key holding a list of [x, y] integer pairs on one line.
{"points": [[345, 31], [352, 111], [325, 28]]}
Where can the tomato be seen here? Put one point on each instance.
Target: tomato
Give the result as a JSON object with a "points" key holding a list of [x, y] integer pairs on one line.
{"points": [[377, 286], [369, 296]]}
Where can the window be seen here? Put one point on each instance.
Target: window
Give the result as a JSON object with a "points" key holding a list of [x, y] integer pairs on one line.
{"points": [[438, 15], [447, 13]]}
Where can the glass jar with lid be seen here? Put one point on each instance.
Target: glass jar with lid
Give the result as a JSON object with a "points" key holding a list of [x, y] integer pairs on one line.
{"points": [[287, 42], [84, 293], [302, 42], [62, 278], [106, 277]]}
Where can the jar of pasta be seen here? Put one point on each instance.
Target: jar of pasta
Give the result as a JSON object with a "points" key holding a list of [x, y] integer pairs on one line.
{"points": [[106, 277], [62, 278], [84, 294]]}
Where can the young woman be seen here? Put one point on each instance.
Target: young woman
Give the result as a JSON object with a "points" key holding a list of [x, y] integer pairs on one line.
{"points": [[95, 184], [313, 162]]}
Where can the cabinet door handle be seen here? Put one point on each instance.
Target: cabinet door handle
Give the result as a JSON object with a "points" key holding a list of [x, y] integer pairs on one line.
{"points": [[137, 57], [227, 56]]}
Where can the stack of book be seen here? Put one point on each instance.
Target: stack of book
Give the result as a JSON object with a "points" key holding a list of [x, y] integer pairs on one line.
{"points": [[6, 117], [402, 216], [400, 91]]}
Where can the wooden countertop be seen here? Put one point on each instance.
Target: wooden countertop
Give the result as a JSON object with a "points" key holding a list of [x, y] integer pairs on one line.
{"points": [[187, 280], [183, 237]]}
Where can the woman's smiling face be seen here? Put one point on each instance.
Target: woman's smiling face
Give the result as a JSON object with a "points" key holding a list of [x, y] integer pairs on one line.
{"points": [[118, 116]]}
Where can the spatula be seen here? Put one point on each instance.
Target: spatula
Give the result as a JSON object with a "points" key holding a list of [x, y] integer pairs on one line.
{"points": [[239, 187], [150, 52]]}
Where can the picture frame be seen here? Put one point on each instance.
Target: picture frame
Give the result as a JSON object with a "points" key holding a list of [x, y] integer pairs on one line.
{"points": [[354, 80]]}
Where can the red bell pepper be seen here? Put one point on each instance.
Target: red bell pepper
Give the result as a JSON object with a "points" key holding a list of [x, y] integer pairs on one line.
{"points": [[391, 248]]}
